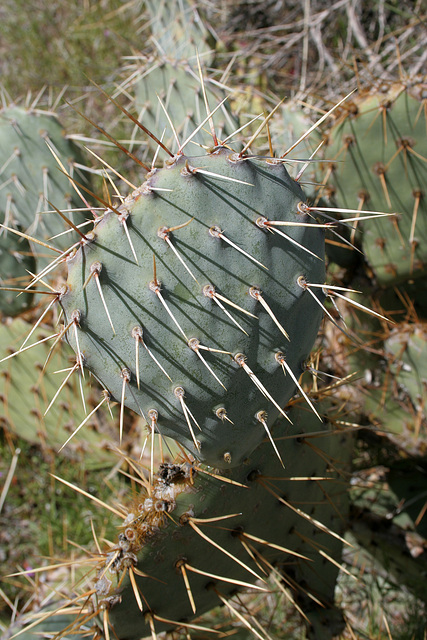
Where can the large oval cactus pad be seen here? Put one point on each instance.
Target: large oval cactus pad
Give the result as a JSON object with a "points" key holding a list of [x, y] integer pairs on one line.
{"points": [[187, 303]]}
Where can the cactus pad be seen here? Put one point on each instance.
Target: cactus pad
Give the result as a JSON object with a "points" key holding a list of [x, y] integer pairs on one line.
{"points": [[178, 29], [31, 177], [178, 86], [16, 259], [289, 520], [188, 306], [380, 150], [50, 625], [25, 394], [166, 84], [408, 347]]}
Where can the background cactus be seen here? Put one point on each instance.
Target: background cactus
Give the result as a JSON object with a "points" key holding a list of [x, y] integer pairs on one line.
{"points": [[27, 391], [379, 157], [391, 503], [32, 180], [380, 366], [407, 348], [16, 260], [396, 402], [166, 85], [51, 623]]}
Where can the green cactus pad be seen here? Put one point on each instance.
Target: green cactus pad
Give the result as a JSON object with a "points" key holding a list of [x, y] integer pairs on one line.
{"points": [[407, 345], [393, 397], [51, 624], [288, 125], [207, 370], [177, 29], [396, 403], [168, 80], [387, 505], [16, 259], [158, 545], [380, 150], [31, 177], [25, 395], [178, 86]]}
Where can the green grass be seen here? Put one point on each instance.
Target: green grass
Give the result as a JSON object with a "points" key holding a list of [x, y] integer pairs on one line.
{"points": [[59, 43]]}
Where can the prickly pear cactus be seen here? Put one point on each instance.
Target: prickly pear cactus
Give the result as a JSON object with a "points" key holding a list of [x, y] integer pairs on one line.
{"points": [[196, 538], [178, 29], [180, 91], [379, 151], [32, 178], [396, 403], [287, 126], [407, 346], [16, 259], [189, 303], [387, 509], [26, 392], [166, 85], [290, 124], [45, 624]]}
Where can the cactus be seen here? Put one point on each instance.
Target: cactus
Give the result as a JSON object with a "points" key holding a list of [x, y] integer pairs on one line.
{"points": [[132, 343], [178, 29], [31, 177], [50, 624], [391, 391], [309, 516], [170, 75], [162, 545], [396, 402], [387, 506], [16, 259], [379, 153], [407, 347], [194, 537], [288, 125], [387, 362], [195, 341], [26, 398], [179, 88], [213, 243]]}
